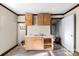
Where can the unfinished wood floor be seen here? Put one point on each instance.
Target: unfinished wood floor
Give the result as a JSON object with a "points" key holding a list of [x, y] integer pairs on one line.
{"points": [[58, 51]]}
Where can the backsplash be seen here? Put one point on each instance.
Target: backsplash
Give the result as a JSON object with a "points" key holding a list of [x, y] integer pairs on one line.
{"points": [[38, 30]]}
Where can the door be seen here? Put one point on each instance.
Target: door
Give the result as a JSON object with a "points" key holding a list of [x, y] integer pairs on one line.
{"points": [[69, 33]]}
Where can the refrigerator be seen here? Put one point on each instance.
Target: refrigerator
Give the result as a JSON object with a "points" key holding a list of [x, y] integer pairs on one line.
{"points": [[21, 32]]}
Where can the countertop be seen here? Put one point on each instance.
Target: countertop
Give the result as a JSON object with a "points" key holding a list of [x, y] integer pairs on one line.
{"points": [[47, 36]]}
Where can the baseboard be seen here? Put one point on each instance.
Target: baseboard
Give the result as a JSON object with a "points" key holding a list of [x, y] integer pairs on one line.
{"points": [[9, 50]]}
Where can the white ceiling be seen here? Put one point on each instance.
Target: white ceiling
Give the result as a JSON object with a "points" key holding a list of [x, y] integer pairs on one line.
{"points": [[22, 8]]}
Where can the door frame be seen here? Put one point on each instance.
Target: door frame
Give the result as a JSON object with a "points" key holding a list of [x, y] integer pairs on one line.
{"points": [[74, 32]]}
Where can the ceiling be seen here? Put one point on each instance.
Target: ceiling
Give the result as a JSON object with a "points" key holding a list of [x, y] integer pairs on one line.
{"points": [[54, 8]]}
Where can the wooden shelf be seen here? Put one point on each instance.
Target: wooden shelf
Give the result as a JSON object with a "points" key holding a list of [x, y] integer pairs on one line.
{"points": [[48, 43], [47, 47]]}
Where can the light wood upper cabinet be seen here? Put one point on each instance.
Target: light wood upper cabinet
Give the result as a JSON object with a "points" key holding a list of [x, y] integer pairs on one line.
{"points": [[39, 20], [46, 19], [43, 19], [28, 19]]}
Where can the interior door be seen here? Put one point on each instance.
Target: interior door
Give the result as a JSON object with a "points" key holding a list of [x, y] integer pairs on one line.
{"points": [[69, 32]]}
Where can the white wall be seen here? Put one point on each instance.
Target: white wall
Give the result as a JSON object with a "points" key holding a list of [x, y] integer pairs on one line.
{"points": [[8, 28], [57, 29], [53, 30], [77, 30]]}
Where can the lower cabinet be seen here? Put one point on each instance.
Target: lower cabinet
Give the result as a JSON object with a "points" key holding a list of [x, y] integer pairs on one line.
{"points": [[38, 43], [34, 43]]}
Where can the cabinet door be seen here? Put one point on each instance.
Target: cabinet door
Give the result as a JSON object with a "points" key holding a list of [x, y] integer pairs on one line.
{"points": [[47, 19], [28, 19], [34, 43], [39, 20]]}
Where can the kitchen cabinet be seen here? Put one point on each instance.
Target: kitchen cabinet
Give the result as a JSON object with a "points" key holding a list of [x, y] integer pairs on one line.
{"points": [[28, 19], [34, 43], [43, 19], [38, 43], [39, 20], [46, 19]]}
